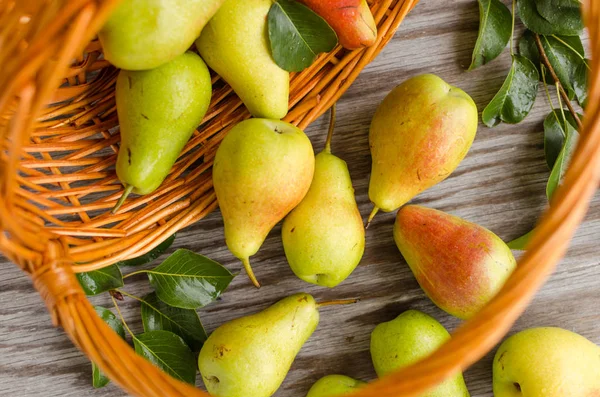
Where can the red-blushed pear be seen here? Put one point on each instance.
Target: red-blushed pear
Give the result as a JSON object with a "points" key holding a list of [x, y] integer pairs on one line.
{"points": [[547, 362], [351, 19], [460, 265], [419, 134]]}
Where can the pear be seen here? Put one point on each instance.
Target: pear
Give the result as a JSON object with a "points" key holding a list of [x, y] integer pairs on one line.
{"points": [[250, 356], [324, 237], [144, 34], [548, 362], [460, 265], [352, 21], [334, 385], [405, 340], [419, 134], [235, 44], [262, 170], [158, 111]]}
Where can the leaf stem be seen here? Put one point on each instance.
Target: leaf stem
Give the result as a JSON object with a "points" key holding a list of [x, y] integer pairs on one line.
{"points": [[121, 316], [337, 302], [330, 131], [560, 88], [512, 30], [134, 273]]}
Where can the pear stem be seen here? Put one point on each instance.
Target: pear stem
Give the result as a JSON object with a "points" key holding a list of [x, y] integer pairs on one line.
{"points": [[330, 131], [337, 302], [246, 262], [371, 216], [127, 192]]}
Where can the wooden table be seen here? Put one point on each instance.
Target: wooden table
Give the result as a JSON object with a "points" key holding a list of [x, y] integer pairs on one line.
{"points": [[500, 185]]}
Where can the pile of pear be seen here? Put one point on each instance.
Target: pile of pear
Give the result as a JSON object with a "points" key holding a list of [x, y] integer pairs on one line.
{"points": [[164, 91]]}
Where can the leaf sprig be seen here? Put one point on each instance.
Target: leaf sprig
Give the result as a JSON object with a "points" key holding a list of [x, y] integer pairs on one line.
{"points": [[173, 333], [550, 50]]}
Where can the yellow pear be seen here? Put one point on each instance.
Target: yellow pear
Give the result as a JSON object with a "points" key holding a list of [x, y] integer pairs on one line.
{"points": [[235, 44], [324, 236], [250, 356], [419, 134], [262, 170], [547, 362]]}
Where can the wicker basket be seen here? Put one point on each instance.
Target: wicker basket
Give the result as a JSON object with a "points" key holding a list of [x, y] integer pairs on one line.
{"points": [[58, 183]]}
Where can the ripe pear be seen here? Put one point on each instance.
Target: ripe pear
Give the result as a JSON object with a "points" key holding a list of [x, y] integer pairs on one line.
{"points": [[460, 265], [158, 111], [547, 362], [235, 44], [419, 134], [250, 356], [262, 170], [334, 385], [405, 340], [324, 237], [352, 20], [144, 34]]}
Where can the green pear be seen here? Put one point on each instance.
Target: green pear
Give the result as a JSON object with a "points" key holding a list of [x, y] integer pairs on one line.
{"points": [[235, 44], [419, 134], [461, 266], [334, 385], [262, 170], [407, 339], [158, 111], [250, 356], [144, 34], [547, 362], [324, 236]]}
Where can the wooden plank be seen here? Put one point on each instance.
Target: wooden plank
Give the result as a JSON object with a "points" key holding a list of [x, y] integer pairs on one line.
{"points": [[500, 185]]}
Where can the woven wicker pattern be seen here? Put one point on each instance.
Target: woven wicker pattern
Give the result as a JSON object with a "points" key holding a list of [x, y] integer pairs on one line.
{"points": [[58, 183]]}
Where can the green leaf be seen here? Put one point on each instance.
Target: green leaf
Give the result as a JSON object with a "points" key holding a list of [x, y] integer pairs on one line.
{"points": [[562, 162], [98, 378], [555, 133], [565, 54], [580, 82], [495, 28], [521, 242], [564, 13], [297, 35], [532, 18], [168, 352], [516, 96], [528, 48], [188, 280], [151, 255], [157, 315], [98, 281], [554, 137]]}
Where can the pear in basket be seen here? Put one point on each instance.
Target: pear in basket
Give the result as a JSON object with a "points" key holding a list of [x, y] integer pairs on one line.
{"points": [[158, 111], [262, 170], [351, 19], [419, 134], [142, 34], [251, 356], [235, 44], [405, 340], [460, 265]]}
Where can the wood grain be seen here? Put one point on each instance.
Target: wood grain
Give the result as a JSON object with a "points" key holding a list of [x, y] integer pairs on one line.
{"points": [[501, 185]]}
